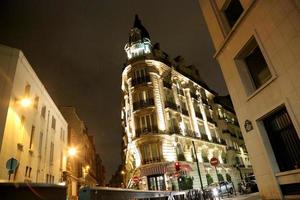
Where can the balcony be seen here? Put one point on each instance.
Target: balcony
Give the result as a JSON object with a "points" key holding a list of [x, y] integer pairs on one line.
{"points": [[140, 80], [143, 104], [146, 131], [172, 105], [151, 160], [167, 84]]}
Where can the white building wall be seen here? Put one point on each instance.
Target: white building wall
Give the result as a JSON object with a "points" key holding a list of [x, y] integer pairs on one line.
{"points": [[276, 28], [16, 136]]}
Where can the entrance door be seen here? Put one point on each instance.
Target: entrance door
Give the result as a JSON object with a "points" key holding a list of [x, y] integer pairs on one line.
{"points": [[156, 182]]}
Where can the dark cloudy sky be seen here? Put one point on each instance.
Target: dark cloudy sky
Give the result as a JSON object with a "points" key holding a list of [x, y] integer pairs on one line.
{"points": [[76, 48]]}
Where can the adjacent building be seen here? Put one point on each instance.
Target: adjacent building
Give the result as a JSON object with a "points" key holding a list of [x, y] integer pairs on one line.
{"points": [[257, 44], [169, 117], [81, 166], [33, 132]]}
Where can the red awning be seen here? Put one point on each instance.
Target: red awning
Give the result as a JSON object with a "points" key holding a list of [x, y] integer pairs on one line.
{"points": [[153, 169]]}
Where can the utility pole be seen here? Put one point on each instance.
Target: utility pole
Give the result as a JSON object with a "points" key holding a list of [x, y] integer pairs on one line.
{"points": [[198, 168]]}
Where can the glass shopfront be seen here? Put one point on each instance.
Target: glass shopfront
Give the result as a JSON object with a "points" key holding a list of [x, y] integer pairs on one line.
{"points": [[156, 182]]}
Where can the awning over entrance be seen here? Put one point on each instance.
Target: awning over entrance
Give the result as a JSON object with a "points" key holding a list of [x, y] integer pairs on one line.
{"points": [[162, 168], [153, 169]]}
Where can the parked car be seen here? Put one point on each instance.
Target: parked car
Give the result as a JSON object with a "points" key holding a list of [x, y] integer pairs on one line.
{"points": [[215, 189]]}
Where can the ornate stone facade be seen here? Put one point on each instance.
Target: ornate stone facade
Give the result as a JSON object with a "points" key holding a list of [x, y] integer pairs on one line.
{"points": [[164, 112]]}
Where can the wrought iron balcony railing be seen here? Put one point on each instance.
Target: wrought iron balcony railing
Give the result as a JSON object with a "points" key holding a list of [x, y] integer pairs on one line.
{"points": [[143, 104], [140, 80], [145, 131]]}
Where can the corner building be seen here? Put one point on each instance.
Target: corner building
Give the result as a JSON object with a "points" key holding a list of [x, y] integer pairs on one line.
{"points": [[167, 107], [257, 45]]}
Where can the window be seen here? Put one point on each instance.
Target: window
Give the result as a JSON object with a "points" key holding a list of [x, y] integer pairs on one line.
{"points": [[27, 90], [150, 153], [284, 139], [140, 73], [252, 66], [61, 161], [233, 12], [51, 153], [53, 124], [40, 143], [31, 137], [28, 171], [257, 67], [43, 112], [140, 76], [36, 102], [145, 124]]}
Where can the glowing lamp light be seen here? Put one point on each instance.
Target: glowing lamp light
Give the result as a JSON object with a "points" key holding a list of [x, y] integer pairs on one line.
{"points": [[72, 151], [25, 102]]}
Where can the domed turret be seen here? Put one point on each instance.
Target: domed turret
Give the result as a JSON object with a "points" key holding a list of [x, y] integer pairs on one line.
{"points": [[139, 43]]}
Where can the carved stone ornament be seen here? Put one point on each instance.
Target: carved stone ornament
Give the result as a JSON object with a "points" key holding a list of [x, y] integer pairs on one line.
{"points": [[248, 125]]}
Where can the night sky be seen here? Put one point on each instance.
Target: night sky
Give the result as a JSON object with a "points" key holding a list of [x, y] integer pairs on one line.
{"points": [[76, 49]]}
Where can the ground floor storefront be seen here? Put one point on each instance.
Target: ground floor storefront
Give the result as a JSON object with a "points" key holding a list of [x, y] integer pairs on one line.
{"points": [[184, 175]]}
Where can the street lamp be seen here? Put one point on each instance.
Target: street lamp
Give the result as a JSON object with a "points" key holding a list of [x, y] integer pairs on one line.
{"points": [[72, 151], [25, 102]]}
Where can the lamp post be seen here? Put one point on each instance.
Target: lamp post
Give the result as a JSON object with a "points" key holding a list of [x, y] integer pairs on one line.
{"points": [[72, 152], [198, 168]]}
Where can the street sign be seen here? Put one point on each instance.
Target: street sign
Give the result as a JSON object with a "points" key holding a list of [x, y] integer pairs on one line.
{"points": [[214, 161], [11, 165]]}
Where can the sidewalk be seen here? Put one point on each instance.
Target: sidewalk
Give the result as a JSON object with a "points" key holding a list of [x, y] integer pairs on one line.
{"points": [[253, 196]]}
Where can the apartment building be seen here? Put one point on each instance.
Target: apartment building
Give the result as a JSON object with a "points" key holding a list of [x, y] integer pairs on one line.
{"points": [[169, 117], [257, 45]]}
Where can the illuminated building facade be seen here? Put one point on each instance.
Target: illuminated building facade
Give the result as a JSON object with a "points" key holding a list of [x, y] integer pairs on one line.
{"points": [[82, 166], [167, 107], [32, 129], [257, 45]]}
